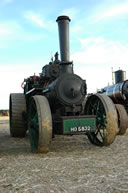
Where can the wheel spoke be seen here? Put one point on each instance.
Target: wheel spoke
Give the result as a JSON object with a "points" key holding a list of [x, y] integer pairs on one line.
{"points": [[34, 106], [94, 108], [35, 121], [102, 137]]}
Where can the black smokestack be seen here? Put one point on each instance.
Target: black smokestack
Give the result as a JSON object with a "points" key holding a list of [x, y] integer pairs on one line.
{"points": [[119, 76], [63, 27]]}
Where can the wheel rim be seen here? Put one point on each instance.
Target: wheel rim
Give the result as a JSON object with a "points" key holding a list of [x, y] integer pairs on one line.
{"points": [[17, 112], [40, 124], [122, 119], [33, 126], [101, 106], [97, 108]]}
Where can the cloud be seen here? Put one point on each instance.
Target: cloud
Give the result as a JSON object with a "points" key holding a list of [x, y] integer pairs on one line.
{"points": [[9, 28], [38, 20], [35, 18], [71, 12], [117, 10], [11, 31], [4, 30], [5, 2], [96, 58], [99, 51], [76, 28]]}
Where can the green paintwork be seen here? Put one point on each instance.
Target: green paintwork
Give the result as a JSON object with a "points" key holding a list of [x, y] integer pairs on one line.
{"points": [[81, 125], [33, 127]]}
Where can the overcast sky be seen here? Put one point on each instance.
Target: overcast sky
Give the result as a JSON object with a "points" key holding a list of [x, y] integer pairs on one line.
{"points": [[29, 34]]}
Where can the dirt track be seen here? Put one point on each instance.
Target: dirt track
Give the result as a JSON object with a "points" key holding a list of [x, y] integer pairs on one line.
{"points": [[73, 165]]}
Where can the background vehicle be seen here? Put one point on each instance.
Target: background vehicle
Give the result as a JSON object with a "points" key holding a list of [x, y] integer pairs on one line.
{"points": [[118, 92]]}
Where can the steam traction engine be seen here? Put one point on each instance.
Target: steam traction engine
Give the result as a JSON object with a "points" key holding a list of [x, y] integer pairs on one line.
{"points": [[118, 92], [54, 103]]}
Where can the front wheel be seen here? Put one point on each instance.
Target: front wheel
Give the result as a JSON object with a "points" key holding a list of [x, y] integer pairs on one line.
{"points": [[106, 119], [39, 124]]}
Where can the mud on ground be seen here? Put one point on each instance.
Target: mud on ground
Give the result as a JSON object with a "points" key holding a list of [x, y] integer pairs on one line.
{"points": [[73, 165]]}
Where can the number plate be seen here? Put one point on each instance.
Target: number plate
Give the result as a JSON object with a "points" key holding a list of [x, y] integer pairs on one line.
{"points": [[80, 129], [79, 125]]}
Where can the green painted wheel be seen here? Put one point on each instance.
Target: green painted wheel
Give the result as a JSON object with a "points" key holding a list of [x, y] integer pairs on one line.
{"points": [[17, 111], [106, 119], [39, 124]]}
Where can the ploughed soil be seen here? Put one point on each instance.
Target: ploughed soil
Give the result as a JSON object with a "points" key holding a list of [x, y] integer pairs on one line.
{"points": [[73, 165]]}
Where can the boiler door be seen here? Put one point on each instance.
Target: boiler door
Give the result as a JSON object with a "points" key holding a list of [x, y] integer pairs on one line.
{"points": [[70, 89]]}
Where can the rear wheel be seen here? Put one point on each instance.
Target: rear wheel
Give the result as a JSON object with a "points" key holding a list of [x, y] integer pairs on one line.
{"points": [[122, 119], [106, 119], [17, 110], [39, 124]]}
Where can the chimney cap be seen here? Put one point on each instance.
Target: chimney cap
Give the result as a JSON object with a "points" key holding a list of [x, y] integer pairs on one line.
{"points": [[63, 17]]}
